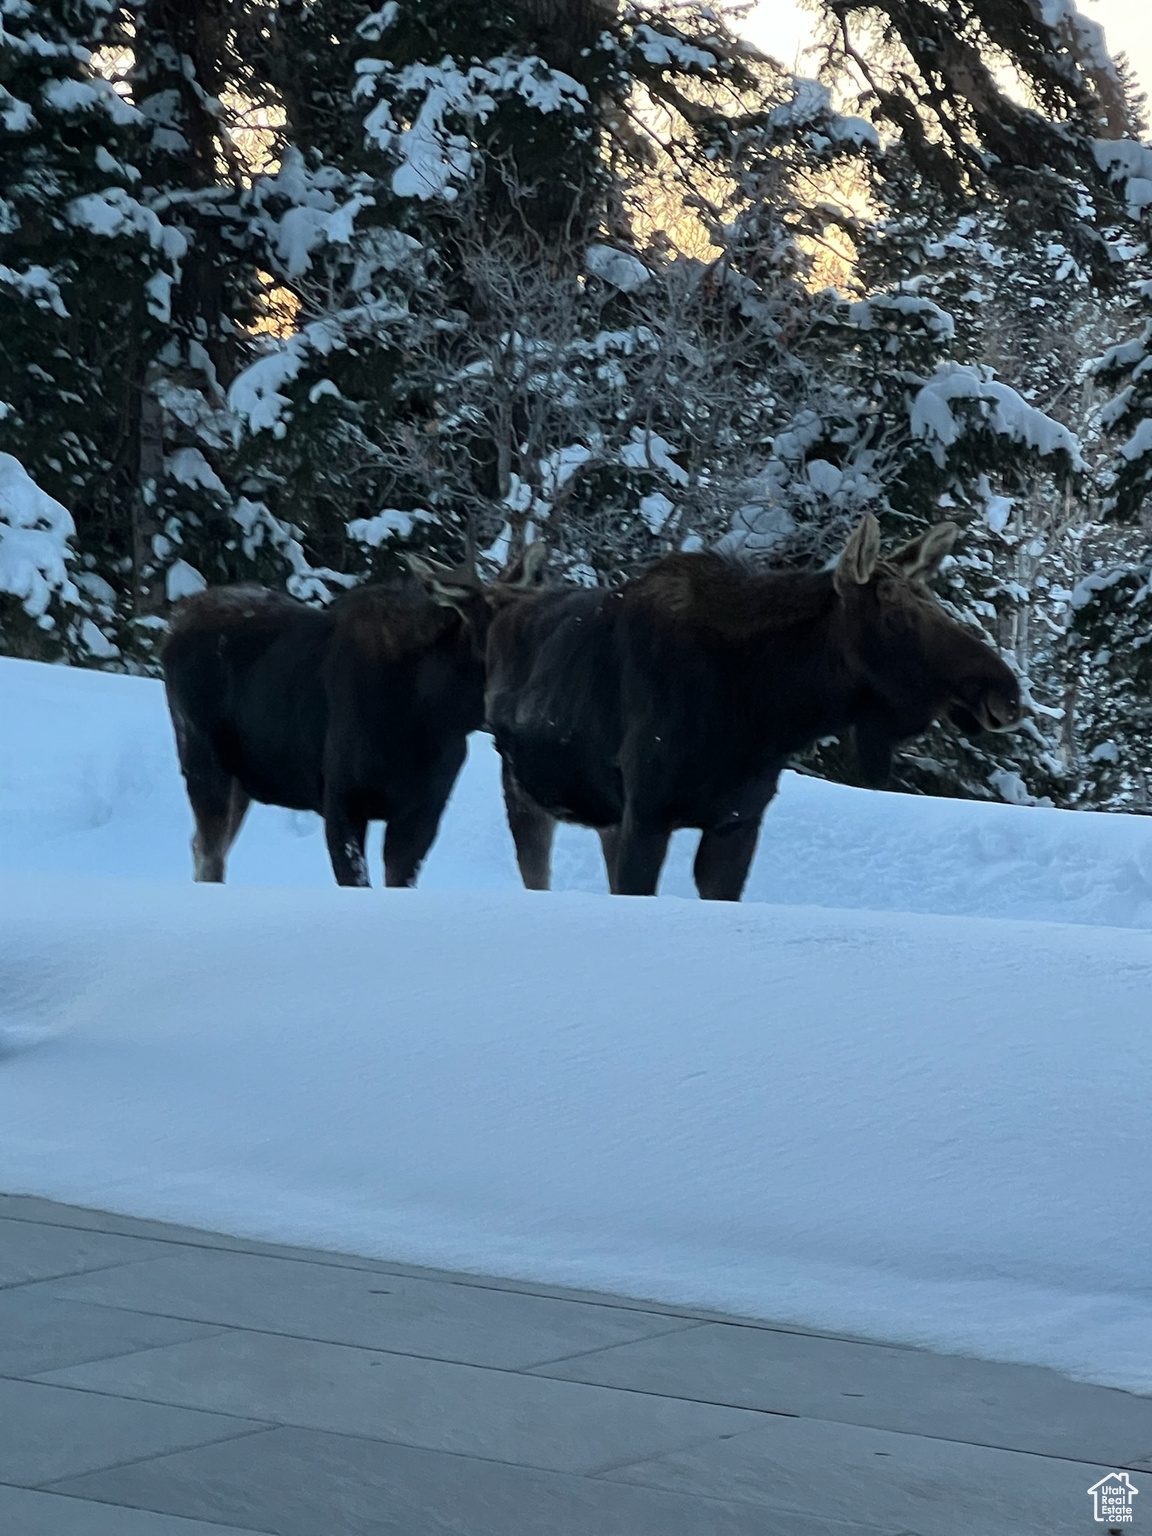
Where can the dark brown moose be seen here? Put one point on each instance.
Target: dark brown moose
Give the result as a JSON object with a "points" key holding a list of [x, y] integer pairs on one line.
{"points": [[677, 700], [360, 711]]}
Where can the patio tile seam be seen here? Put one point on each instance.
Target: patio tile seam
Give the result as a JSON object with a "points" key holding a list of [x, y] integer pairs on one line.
{"points": [[59, 1485], [226, 1244], [211, 1331], [879, 1429], [42, 1379], [533, 1371], [84, 1498], [409, 1272], [604, 1474], [154, 1402], [540, 1367], [53, 1484], [76, 1274], [665, 1309]]}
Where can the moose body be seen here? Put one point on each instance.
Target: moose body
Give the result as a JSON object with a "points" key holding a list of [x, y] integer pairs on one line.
{"points": [[677, 700], [359, 711]]}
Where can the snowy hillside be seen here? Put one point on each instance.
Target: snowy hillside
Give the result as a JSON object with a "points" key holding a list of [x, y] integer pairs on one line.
{"points": [[911, 1122]]}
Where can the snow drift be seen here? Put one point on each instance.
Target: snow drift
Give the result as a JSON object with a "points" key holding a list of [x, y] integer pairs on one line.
{"points": [[911, 1125]]}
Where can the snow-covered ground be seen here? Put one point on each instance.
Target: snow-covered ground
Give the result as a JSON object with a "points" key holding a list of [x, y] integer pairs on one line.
{"points": [[901, 1093]]}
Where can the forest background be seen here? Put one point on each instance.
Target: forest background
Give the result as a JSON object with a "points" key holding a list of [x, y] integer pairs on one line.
{"points": [[289, 288]]}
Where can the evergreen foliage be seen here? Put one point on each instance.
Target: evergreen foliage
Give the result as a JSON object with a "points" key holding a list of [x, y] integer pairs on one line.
{"points": [[80, 258]]}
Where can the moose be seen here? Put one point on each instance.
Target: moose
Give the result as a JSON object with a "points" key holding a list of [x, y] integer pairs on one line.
{"points": [[677, 699], [360, 710]]}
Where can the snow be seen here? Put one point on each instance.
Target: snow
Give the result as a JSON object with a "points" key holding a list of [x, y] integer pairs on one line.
{"points": [[648, 450], [96, 642], [810, 107], [997, 511], [182, 580], [1129, 161], [431, 157], [256, 394], [999, 407], [373, 27], [298, 234], [656, 510], [884, 306], [389, 524], [1139, 443], [34, 534], [824, 476], [1089, 34], [558, 468], [896, 1093], [342, 221], [35, 283], [618, 269], [159, 291], [113, 213], [88, 96], [15, 116], [315, 222], [671, 52], [191, 468], [257, 397]]}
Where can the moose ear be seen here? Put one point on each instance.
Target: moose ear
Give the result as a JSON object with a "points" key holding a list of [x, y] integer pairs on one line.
{"points": [[859, 556], [921, 559], [444, 584]]}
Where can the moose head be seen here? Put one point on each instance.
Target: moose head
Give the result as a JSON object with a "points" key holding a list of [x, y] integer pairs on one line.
{"points": [[915, 661], [461, 587]]}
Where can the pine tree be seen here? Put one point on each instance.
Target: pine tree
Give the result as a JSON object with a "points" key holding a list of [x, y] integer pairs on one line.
{"points": [[1025, 313], [83, 263], [192, 179], [1111, 611], [342, 415]]}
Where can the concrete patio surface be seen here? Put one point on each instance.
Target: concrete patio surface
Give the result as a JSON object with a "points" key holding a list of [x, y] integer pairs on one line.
{"points": [[158, 1381]]}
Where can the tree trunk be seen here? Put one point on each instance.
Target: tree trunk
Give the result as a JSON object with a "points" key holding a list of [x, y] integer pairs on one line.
{"points": [[148, 595]]}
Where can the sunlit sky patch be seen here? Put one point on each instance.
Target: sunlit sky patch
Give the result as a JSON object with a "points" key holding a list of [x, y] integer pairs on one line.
{"points": [[784, 30]]}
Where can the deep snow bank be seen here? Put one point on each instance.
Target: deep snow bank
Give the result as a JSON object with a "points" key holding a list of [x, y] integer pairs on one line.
{"points": [[927, 1128], [89, 784], [920, 1128]]}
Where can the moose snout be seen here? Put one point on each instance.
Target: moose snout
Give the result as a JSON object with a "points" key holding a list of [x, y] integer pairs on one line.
{"points": [[1001, 711], [988, 706]]}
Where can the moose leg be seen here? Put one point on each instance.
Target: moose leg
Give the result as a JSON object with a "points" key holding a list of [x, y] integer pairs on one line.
{"points": [[218, 820], [610, 844], [723, 860], [210, 841], [345, 830], [238, 802], [412, 831], [218, 805], [641, 849], [407, 840], [533, 830]]}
